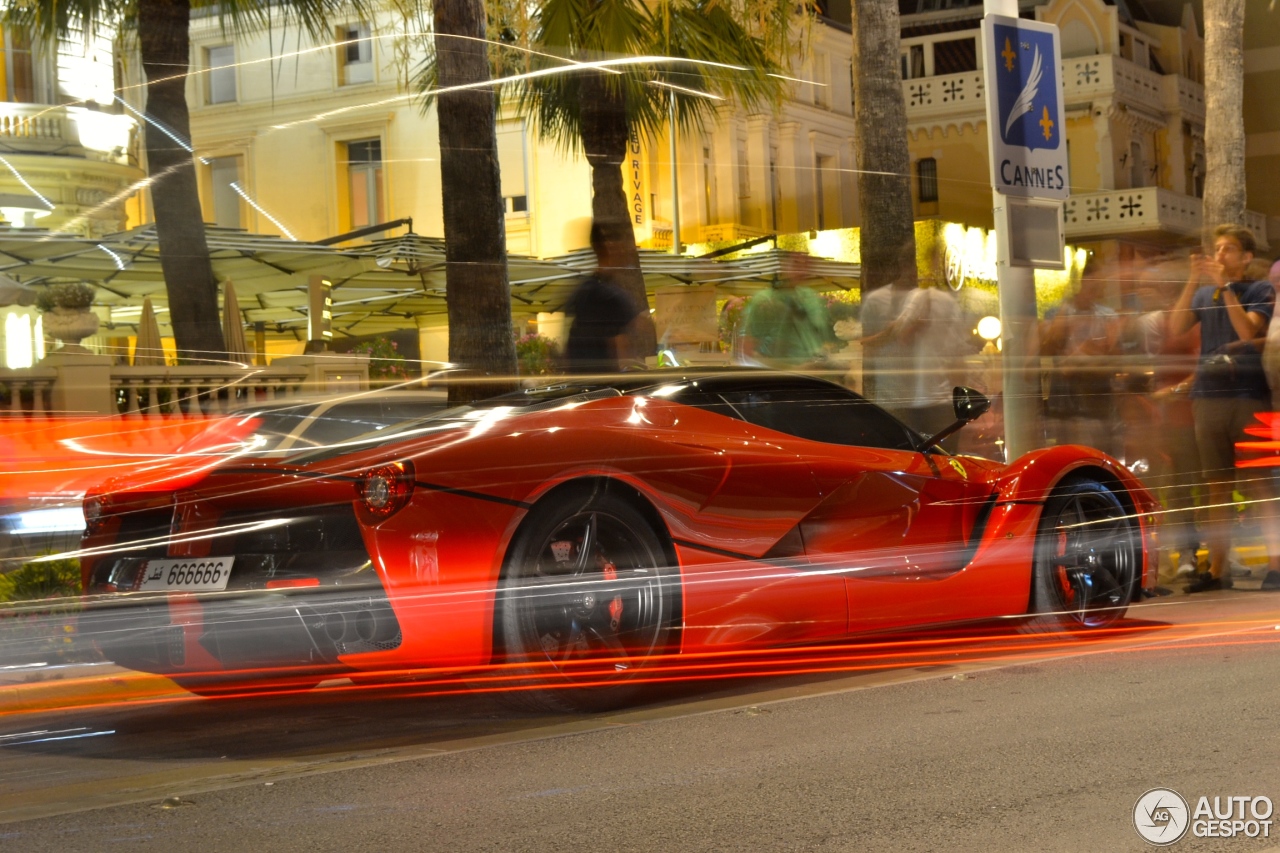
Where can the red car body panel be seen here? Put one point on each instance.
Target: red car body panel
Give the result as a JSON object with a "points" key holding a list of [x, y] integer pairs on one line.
{"points": [[777, 539]]}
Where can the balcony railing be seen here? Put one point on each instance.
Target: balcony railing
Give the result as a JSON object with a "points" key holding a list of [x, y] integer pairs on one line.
{"points": [[75, 131], [1145, 209], [1083, 79], [950, 94]]}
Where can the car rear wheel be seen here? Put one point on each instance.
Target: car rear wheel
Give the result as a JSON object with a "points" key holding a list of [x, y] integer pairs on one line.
{"points": [[1087, 559], [589, 598]]}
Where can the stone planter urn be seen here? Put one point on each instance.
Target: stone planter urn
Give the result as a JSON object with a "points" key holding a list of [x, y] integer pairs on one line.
{"points": [[70, 326]]}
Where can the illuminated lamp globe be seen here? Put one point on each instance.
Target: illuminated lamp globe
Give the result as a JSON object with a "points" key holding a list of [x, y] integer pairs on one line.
{"points": [[989, 328]]}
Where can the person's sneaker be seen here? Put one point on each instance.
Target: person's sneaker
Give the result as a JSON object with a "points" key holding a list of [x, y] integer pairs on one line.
{"points": [[1187, 565], [1237, 568], [1205, 582], [1271, 581]]}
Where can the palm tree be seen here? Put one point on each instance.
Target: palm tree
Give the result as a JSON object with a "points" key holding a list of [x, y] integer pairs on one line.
{"points": [[880, 145], [694, 53], [477, 286], [1224, 189], [163, 32]]}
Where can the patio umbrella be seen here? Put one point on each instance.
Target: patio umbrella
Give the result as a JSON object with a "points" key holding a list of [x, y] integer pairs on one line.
{"points": [[233, 325], [12, 293], [148, 352]]}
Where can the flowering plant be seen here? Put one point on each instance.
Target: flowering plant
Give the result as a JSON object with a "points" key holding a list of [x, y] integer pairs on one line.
{"points": [[71, 295], [385, 360], [536, 355]]}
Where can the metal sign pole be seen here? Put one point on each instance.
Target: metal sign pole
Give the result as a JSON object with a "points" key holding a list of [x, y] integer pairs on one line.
{"points": [[1027, 140]]}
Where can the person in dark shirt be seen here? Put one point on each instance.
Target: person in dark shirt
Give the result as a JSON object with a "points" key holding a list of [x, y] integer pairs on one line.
{"points": [[603, 314], [1229, 386]]}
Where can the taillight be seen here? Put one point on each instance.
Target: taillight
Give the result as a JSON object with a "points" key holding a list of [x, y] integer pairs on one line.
{"points": [[383, 491], [95, 507]]}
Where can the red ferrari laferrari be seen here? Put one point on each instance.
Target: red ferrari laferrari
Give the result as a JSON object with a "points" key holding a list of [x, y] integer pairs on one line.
{"points": [[584, 532]]}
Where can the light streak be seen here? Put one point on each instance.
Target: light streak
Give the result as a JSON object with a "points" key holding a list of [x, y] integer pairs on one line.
{"points": [[235, 185], [35, 192], [119, 260]]}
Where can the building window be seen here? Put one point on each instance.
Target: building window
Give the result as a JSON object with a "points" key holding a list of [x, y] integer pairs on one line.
{"points": [[364, 182], [221, 64], [927, 179], [224, 183], [913, 62], [826, 191], [17, 68], [821, 80], [956, 56], [355, 55], [513, 163]]}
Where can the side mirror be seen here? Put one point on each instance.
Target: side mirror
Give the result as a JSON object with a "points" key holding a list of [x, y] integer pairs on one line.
{"points": [[969, 404]]}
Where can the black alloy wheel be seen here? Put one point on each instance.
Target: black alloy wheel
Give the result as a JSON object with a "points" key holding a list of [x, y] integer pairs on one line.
{"points": [[1087, 559], [589, 597]]}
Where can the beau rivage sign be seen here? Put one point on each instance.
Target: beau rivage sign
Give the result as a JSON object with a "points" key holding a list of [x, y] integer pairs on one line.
{"points": [[633, 176], [1025, 117]]}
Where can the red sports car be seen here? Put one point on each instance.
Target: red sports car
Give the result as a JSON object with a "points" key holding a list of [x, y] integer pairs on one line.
{"points": [[582, 532]]}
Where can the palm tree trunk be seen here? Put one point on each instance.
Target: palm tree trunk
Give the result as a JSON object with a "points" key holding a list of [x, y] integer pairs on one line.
{"points": [[477, 287], [1224, 190], [163, 34], [880, 146], [604, 141]]}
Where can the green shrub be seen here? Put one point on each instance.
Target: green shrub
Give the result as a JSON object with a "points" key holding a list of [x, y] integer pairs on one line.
{"points": [[45, 631], [536, 355], [41, 579]]}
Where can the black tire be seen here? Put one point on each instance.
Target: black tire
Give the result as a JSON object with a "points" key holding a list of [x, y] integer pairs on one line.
{"points": [[1088, 562], [589, 596]]}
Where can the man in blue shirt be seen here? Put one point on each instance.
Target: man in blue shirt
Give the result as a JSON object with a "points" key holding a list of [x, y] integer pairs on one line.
{"points": [[1229, 386]]}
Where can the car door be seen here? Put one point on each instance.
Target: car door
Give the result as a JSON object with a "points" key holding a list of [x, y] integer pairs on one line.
{"points": [[894, 524]]}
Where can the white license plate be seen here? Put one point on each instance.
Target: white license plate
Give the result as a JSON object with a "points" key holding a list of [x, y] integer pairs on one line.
{"points": [[207, 574]]}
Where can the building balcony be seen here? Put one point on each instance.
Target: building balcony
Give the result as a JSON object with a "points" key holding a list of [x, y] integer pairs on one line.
{"points": [[1084, 79], [1146, 210], [69, 132], [957, 96], [68, 167]]}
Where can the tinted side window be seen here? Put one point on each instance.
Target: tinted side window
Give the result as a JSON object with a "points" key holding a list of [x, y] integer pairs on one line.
{"points": [[820, 413]]}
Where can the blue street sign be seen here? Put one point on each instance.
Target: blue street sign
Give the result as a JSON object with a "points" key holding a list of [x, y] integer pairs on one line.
{"points": [[1025, 114]]}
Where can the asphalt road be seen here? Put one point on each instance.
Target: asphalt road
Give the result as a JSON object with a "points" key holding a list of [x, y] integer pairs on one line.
{"points": [[991, 742]]}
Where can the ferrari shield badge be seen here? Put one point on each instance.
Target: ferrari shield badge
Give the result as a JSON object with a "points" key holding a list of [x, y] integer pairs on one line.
{"points": [[958, 466]]}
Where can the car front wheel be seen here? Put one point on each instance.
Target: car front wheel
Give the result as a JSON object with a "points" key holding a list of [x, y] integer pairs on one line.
{"points": [[1087, 559]]}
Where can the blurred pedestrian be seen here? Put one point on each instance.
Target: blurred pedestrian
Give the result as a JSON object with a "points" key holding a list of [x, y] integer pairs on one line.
{"points": [[885, 355], [604, 315], [1271, 367], [786, 325], [1082, 336], [1229, 386], [1175, 471]]}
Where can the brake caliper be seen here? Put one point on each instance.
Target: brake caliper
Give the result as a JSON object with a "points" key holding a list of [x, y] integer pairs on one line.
{"points": [[615, 606]]}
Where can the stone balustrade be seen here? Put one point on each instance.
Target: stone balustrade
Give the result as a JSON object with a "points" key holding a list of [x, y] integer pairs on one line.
{"points": [[26, 391], [1112, 212], [1084, 78], [91, 385], [69, 130]]}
